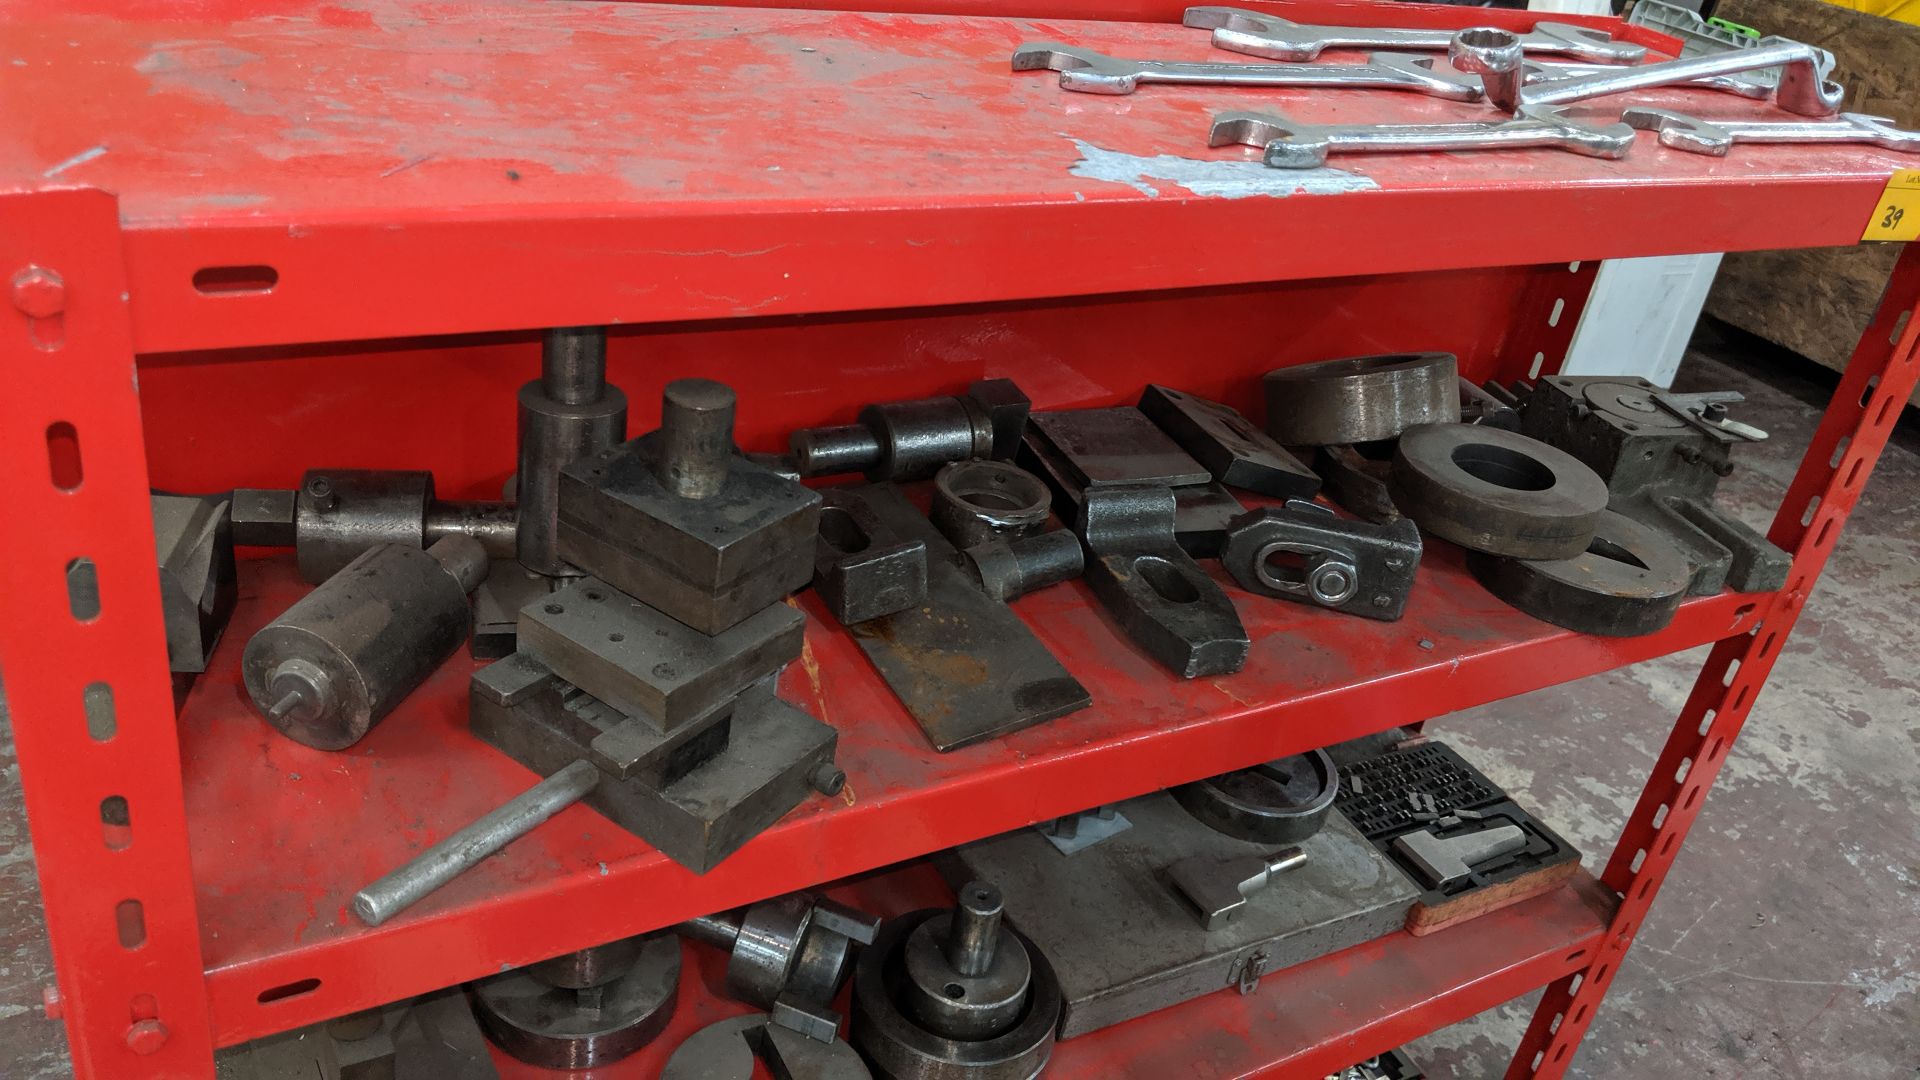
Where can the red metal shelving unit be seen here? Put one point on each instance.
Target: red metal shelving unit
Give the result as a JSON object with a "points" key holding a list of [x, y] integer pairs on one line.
{"points": [[231, 232]]}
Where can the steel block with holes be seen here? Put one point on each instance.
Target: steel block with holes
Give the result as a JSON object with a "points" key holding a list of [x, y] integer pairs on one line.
{"points": [[676, 518], [1663, 456], [643, 663]]}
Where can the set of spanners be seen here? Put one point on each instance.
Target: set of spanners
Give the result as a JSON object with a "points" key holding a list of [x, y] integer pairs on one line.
{"points": [[1484, 64]]}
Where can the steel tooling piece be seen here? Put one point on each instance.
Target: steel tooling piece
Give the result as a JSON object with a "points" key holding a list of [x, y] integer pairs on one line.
{"points": [[1283, 801], [962, 663], [1629, 580], [1123, 944], [1218, 889], [643, 663], [1554, 70], [908, 440], [799, 945], [335, 514], [558, 1026], [568, 413], [194, 543], [1715, 137], [1010, 569], [1496, 491], [337, 662], [772, 759], [1356, 478], [1103, 447], [1000, 1026], [812, 1019], [497, 601], [1164, 601], [1076, 832], [1496, 56], [584, 969], [1477, 406], [1803, 87], [728, 1050], [1090, 72], [1259, 34], [1301, 551], [1360, 398], [1227, 445], [976, 501], [1439, 860], [435, 1035], [399, 889], [858, 578], [1200, 511], [1290, 145], [675, 516], [1662, 457]]}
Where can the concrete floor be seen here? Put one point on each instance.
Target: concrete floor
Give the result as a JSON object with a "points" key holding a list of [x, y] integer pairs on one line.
{"points": [[1787, 943]]}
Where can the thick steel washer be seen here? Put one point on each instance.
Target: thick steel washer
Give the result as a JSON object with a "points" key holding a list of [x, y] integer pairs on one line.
{"points": [[1496, 491], [978, 501], [1283, 801], [1629, 581], [560, 1027], [899, 1049], [1361, 398]]}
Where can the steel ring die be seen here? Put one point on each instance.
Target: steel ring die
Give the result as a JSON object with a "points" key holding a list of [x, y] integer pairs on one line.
{"points": [[1496, 491], [978, 501], [1629, 581], [730, 1048], [1283, 801], [584, 1009]]}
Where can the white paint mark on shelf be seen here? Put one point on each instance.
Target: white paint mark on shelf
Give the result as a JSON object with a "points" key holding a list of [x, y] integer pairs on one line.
{"points": [[1213, 179]]}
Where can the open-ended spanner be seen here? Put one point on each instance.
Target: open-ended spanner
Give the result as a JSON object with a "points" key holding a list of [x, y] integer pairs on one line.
{"points": [[1258, 34], [1683, 132], [1289, 145], [1091, 72]]}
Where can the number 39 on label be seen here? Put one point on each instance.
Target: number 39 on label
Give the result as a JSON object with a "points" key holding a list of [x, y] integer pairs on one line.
{"points": [[1897, 215]]}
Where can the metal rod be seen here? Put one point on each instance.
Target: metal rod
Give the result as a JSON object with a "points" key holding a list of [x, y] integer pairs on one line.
{"points": [[453, 856], [696, 432], [827, 450], [492, 523], [720, 931], [573, 364], [975, 928]]}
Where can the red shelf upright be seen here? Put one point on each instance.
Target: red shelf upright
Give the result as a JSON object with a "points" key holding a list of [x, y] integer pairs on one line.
{"points": [[229, 237]]}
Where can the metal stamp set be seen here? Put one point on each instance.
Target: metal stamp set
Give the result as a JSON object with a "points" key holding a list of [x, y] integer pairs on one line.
{"points": [[1526, 79]]}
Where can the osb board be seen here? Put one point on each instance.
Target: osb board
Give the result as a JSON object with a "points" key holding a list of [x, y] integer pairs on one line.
{"points": [[1816, 302]]}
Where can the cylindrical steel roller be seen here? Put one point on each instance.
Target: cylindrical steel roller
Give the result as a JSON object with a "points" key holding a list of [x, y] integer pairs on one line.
{"points": [[1010, 569], [566, 414], [1277, 802], [341, 513], [828, 450], [1629, 581], [977, 501], [1361, 398], [696, 437], [588, 968], [560, 1028], [335, 663], [917, 437], [1496, 491]]}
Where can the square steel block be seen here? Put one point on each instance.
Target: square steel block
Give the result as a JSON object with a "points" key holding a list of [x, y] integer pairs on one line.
{"points": [[708, 562], [645, 664]]}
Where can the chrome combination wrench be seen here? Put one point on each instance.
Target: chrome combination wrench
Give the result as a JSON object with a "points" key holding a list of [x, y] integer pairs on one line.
{"points": [[1258, 34], [1683, 132], [1091, 72], [1288, 145]]}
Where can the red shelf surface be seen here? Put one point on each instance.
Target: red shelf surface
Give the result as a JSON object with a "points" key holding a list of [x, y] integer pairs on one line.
{"points": [[1303, 1021], [283, 834], [504, 164]]}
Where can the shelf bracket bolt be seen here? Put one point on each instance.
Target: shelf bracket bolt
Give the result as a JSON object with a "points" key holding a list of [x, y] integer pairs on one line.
{"points": [[146, 1036], [38, 292]]}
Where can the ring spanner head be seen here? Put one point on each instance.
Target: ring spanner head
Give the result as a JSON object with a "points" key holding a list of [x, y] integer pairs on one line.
{"points": [[1495, 55]]}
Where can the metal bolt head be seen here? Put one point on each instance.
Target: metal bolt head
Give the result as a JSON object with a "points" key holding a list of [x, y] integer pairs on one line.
{"points": [[146, 1036], [38, 292], [828, 779]]}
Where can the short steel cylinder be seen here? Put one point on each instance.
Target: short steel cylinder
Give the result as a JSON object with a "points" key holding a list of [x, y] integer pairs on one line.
{"points": [[960, 1005], [696, 437], [1009, 570], [975, 929], [334, 664], [340, 513], [589, 968], [917, 437], [828, 450], [566, 414]]}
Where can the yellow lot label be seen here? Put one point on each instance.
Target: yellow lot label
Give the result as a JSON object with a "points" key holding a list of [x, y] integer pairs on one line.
{"points": [[1897, 215]]}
